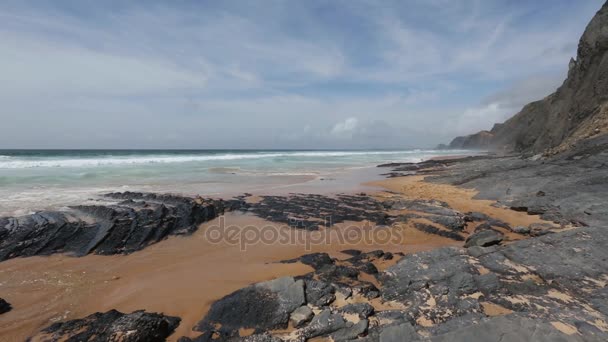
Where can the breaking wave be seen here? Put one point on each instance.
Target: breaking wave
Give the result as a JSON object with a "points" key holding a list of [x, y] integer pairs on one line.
{"points": [[19, 162]]}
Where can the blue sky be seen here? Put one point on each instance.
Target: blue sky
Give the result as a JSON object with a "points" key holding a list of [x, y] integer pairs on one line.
{"points": [[275, 74]]}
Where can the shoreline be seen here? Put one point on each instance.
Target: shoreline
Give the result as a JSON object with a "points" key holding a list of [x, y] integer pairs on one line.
{"points": [[144, 279]]}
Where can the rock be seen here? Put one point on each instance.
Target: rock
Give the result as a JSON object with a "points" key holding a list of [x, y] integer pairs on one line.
{"points": [[266, 306], [538, 229], [509, 328], [335, 273], [476, 216], [352, 332], [462, 283], [442, 277], [368, 268], [263, 337], [322, 324], [314, 260], [131, 225], [521, 230], [427, 228], [353, 252], [301, 316], [4, 306], [477, 251], [112, 326], [487, 283], [363, 310], [403, 332], [295, 210], [454, 223], [484, 238], [319, 293]]}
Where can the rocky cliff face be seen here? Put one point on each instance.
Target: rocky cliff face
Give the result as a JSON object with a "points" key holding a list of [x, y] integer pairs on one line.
{"points": [[576, 111]]}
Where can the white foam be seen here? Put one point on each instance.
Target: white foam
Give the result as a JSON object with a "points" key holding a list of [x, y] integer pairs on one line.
{"points": [[7, 162]]}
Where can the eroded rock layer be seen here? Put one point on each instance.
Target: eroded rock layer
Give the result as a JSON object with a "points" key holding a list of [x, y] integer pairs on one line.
{"points": [[133, 223]]}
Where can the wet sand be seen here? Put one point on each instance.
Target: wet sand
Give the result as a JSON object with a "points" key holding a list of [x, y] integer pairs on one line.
{"points": [[458, 198], [182, 276]]}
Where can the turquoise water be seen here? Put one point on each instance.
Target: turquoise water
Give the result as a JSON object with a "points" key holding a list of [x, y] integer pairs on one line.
{"points": [[40, 179]]}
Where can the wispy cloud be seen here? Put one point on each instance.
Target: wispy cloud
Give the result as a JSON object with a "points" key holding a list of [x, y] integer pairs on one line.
{"points": [[236, 74]]}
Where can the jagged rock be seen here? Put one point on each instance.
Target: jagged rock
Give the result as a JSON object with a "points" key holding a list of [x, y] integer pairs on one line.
{"points": [[319, 293], [322, 324], [351, 332], [136, 222], [296, 210], [301, 316], [266, 306], [484, 238], [363, 310], [403, 332], [112, 326], [4, 306]]}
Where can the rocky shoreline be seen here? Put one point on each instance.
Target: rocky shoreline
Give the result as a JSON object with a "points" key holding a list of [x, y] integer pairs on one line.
{"points": [[494, 281], [548, 284]]}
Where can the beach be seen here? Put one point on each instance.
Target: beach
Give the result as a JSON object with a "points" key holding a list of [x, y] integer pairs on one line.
{"points": [[183, 275]]}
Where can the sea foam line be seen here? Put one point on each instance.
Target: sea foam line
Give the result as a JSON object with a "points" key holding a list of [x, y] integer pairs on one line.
{"points": [[8, 162]]}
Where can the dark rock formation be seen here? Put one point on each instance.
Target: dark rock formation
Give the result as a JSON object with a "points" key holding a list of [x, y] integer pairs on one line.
{"points": [[576, 111], [266, 306], [310, 211], [545, 286], [4, 306], [137, 221], [112, 326]]}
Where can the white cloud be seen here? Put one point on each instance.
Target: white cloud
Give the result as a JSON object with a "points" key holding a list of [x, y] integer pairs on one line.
{"points": [[344, 128]]}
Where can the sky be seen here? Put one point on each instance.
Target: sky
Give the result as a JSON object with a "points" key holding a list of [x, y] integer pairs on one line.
{"points": [[275, 74]]}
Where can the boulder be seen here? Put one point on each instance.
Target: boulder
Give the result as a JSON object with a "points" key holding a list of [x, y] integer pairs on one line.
{"points": [[484, 238], [267, 305], [301, 316], [363, 310], [112, 326]]}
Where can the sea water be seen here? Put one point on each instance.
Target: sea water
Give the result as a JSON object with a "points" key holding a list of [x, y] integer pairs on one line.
{"points": [[43, 179]]}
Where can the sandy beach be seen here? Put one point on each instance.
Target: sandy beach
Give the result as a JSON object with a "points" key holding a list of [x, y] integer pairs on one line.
{"points": [[183, 276]]}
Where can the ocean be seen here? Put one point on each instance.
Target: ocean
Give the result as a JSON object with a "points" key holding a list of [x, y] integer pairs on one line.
{"points": [[33, 180]]}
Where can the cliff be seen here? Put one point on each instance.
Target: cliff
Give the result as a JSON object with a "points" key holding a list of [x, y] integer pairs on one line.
{"points": [[576, 111]]}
